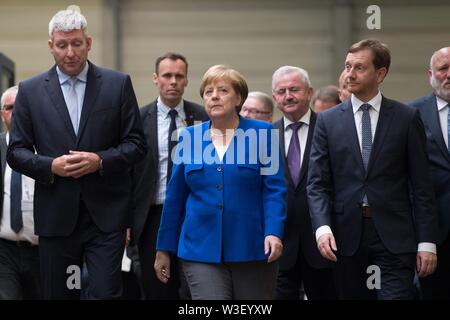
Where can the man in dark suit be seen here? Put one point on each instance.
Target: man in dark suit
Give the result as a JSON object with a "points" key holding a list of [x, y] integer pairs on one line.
{"points": [[19, 251], [151, 175], [301, 262], [83, 123], [435, 112], [367, 154]]}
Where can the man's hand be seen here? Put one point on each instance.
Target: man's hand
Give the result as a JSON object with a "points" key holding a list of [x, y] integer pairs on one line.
{"points": [[162, 266], [425, 263], [272, 245], [326, 245], [76, 164]]}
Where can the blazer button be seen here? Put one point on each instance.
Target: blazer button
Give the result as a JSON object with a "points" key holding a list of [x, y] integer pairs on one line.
{"points": [[219, 187], [220, 206], [219, 169]]}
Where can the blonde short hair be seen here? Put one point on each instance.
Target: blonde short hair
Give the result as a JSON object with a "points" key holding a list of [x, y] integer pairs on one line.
{"points": [[222, 72]]}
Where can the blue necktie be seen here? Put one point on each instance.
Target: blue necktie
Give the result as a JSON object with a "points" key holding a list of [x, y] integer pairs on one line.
{"points": [[16, 201], [448, 127], [172, 143], [293, 155], [366, 140], [72, 103]]}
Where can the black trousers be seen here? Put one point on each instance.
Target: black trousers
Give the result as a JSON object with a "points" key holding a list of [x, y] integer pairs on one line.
{"points": [[437, 285], [61, 260], [318, 284], [355, 281], [153, 288], [19, 271]]}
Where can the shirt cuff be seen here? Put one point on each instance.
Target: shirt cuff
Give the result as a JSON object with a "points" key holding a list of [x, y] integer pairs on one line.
{"points": [[427, 246], [321, 231]]}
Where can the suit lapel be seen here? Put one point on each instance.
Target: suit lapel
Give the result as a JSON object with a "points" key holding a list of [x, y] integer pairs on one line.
{"points": [[431, 119], [383, 125], [190, 116], [54, 91], [350, 132], [93, 85], [3, 149]]}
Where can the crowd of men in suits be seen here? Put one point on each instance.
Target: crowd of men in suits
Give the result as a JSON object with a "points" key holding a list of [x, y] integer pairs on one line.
{"points": [[368, 180]]}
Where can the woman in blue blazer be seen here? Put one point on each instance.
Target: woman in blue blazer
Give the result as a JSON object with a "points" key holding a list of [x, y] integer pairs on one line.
{"points": [[225, 205]]}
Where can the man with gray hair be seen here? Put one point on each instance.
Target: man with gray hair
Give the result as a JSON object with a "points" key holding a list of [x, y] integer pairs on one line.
{"points": [[258, 105], [83, 122], [435, 113], [301, 262], [19, 251]]}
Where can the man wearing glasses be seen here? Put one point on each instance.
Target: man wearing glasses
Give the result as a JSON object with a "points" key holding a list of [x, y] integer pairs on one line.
{"points": [[259, 106]]}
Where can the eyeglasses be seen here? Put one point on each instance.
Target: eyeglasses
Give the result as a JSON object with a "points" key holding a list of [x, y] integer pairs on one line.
{"points": [[293, 90], [254, 111], [7, 107]]}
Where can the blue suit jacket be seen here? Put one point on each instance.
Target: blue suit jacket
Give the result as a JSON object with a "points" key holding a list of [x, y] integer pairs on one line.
{"points": [[221, 212], [109, 125], [439, 159], [398, 164]]}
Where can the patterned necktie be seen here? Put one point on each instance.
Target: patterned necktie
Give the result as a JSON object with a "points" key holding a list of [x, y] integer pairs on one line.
{"points": [[293, 155], [172, 143], [16, 201], [366, 134], [72, 103]]}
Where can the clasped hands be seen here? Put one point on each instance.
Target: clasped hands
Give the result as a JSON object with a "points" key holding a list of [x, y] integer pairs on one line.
{"points": [[76, 164]]}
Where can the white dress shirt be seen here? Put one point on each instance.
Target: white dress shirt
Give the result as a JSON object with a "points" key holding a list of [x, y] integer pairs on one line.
{"points": [[27, 232]]}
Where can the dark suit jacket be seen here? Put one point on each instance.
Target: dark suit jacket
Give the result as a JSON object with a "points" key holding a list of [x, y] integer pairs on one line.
{"points": [[298, 229], [3, 148], [146, 172], [109, 126], [337, 179], [439, 159]]}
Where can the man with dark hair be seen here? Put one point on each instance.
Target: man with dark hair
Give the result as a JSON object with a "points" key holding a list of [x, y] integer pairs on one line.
{"points": [[435, 112], [159, 118], [367, 154]]}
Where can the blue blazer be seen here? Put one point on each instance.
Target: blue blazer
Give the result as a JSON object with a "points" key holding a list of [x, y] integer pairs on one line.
{"points": [[439, 160], [221, 211], [110, 126]]}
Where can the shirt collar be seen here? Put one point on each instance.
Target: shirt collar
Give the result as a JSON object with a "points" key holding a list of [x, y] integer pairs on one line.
{"points": [[82, 76], [305, 119], [375, 102], [164, 109], [441, 104]]}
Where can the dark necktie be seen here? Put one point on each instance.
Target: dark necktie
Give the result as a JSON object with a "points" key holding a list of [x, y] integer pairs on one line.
{"points": [[16, 201], [293, 155], [172, 143], [366, 134], [448, 127]]}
